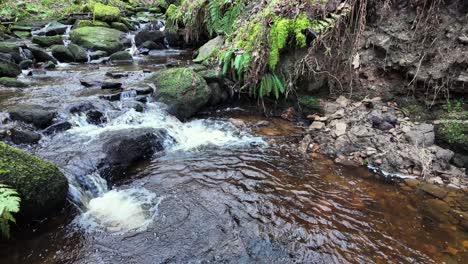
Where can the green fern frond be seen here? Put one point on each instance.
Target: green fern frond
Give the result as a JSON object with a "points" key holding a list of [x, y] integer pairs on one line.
{"points": [[9, 203]]}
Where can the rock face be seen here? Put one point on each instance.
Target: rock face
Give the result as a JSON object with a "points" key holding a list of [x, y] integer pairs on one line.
{"points": [[42, 187], [182, 89], [209, 49], [98, 38], [39, 116]]}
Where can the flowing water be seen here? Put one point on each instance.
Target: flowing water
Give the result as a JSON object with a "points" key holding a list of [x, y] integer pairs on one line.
{"points": [[216, 194]]}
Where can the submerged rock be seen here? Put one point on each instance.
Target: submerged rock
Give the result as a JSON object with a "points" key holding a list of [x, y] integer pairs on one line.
{"points": [[182, 89], [98, 38], [42, 187]]}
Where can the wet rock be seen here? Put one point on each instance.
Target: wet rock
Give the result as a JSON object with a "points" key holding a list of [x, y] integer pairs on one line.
{"points": [[62, 53], [97, 54], [111, 85], [218, 95], [9, 69], [421, 135], [412, 182], [57, 128], [151, 45], [45, 41], [211, 75], [437, 210], [90, 23], [208, 49], [434, 190], [39, 116], [144, 91], [125, 147], [116, 75], [90, 83], [11, 82], [49, 65], [121, 56], [24, 136], [155, 36], [119, 26], [137, 106], [41, 55], [95, 117], [184, 91], [79, 54], [55, 28], [25, 64], [42, 187], [98, 38], [9, 48], [112, 97]]}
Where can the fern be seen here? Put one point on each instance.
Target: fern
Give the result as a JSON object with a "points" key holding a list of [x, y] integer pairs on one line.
{"points": [[9, 203], [214, 19], [271, 83]]}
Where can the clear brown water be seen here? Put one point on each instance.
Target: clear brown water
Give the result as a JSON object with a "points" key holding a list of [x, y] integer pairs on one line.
{"points": [[244, 204]]}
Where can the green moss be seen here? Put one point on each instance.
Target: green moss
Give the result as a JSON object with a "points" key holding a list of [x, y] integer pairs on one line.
{"points": [[47, 41], [89, 23], [6, 47], [97, 38], [119, 26], [11, 82], [172, 18], [106, 13], [41, 185], [9, 69], [309, 104]]}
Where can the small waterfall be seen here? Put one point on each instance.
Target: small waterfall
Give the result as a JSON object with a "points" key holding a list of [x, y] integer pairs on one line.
{"points": [[124, 210], [66, 36], [133, 50]]}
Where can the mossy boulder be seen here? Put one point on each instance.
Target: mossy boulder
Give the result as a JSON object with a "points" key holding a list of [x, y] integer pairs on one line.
{"points": [[62, 53], [119, 26], [79, 54], [121, 56], [98, 38], [89, 23], [106, 13], [25, 64], [6, 47], [37, 115], [9, 69], [183, 90], [40, 55], [47, 41], [209, 49], [11, 82], [40, 184]]}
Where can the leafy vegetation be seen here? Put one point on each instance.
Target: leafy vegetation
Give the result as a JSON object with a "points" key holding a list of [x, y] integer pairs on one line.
{"points": [[9, 204], [453, 129]]}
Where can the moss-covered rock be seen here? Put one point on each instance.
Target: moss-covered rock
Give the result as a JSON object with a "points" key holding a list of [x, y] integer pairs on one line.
{"points": [[119, 26], [42, 187], [22, 34], [209, 49], [61, 53], [41, 55], [11, 82], [9, 69], [182, 89], [89, 23], [47, 41], [25, 64], [78, 52], [6, 47], [309, 104], [106, 13], [98, 38], [121, 56]]}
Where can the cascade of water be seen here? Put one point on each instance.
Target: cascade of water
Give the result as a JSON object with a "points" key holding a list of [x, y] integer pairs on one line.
{"points": [[128, 94], [134, 209], [66, 36], [133, 50]]}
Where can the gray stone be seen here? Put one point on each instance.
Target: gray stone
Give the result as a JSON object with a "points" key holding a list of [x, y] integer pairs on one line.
{"points": [[421, 135]]}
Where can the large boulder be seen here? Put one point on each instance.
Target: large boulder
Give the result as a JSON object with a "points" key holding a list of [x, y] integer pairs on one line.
{"points": [[47, 41], [98, 38], [39, 116], [40, 184], [182, 89], [121, 56], [209, 49], [106, 13], [41, 55], [62, 53], [156, 36], [79, 54], [9, 69], [55, 28]]}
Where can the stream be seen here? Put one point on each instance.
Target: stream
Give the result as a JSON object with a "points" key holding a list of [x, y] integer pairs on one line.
{"points": [[216, 194]]}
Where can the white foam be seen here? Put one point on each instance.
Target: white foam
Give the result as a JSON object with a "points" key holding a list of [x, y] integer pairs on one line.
{"points": [[188, 136], [120, 211]]}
